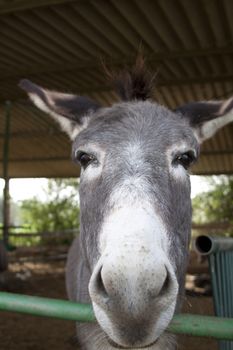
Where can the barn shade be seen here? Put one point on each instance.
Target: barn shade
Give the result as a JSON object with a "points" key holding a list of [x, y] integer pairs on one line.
{"points": [[195, 325]]}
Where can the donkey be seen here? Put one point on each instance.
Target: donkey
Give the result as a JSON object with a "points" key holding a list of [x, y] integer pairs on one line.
{"points": [[131, 256]]}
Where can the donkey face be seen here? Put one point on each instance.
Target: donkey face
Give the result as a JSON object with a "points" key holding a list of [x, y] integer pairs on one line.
{"points": [[135, 204], [135, 215]]}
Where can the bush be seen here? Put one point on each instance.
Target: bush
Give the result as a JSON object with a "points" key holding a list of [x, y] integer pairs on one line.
{"points": [[59, 212], [216, 205]]}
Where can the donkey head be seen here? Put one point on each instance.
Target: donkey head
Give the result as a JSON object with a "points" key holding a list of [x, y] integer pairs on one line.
{"points": [[135, 200]]}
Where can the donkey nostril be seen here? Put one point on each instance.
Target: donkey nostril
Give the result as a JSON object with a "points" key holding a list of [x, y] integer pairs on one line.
{"points": [[100, 284], [165, 285], [158, 292]]}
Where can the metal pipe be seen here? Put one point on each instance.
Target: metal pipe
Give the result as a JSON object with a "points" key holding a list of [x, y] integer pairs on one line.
{"points": [[202, 326], [46, 307], [6, 195], [206, 245], [195, 325]]}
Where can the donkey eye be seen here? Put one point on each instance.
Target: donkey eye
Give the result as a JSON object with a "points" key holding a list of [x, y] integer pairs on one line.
{"points": [[84, 158], [184, 159]]}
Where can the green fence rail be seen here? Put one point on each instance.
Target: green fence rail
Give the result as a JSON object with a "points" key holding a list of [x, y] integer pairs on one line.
{"points": [[195, 325]]}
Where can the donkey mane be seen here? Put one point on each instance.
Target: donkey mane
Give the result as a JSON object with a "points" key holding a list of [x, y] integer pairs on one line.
{"points": [[136, 83]]}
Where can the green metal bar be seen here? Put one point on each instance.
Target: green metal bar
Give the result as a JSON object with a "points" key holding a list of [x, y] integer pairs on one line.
{"points": [[231, 281], [224, 286], [220, 282], [46, 307], [206, 245], [202, 326], [195, 325], [214, 282]]}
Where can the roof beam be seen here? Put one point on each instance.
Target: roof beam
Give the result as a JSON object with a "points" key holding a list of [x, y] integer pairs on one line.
{"points": [[49, 159], [7, 6], [31, 134], [90, 64], [217, 153], [41, 159], [210, 173], [196, 80], [162, 83]]}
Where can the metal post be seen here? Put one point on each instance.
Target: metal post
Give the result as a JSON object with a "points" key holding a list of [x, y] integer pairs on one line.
{"points": [[220, 254], [6, 195]]}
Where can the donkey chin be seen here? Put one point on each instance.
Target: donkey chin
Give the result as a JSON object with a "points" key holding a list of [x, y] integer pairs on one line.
{"points": [[130, 315]]}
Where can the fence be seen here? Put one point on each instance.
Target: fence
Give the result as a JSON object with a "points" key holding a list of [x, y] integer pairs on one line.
{"points": [[220, 255], [195, 325], [23, 236]]}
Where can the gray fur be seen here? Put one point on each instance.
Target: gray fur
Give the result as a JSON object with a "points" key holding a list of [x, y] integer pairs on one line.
{"points": [[156, 129]]}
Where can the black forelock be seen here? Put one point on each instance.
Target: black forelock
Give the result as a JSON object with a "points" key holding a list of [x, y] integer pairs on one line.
{"points": [[136, 83]]}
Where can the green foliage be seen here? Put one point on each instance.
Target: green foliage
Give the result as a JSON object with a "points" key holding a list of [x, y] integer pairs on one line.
{"points": [[216, 205], [58, 212]]}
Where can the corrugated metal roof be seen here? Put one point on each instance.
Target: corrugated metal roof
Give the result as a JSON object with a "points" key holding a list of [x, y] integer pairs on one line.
{"points": [[59, 44]]}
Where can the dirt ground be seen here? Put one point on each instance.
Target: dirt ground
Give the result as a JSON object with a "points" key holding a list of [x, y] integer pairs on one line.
{"points": [[23, 332]]}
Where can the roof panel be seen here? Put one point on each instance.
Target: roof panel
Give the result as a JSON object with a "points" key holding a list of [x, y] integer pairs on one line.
{"points": [[60, 44]]}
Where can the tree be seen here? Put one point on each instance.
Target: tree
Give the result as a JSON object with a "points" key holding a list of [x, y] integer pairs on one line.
{"points": [[216, 205], [60, 210]]}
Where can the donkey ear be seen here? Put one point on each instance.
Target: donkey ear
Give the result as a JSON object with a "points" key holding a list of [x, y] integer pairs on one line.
{"points": [[70, 111], [207, 117]]}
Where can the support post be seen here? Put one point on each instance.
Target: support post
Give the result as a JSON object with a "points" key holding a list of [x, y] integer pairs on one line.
{"points": [[6, 194]]}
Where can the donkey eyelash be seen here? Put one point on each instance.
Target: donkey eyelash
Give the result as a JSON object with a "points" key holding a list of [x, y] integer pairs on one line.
{"points": [[185, 159], [84, 158]]}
